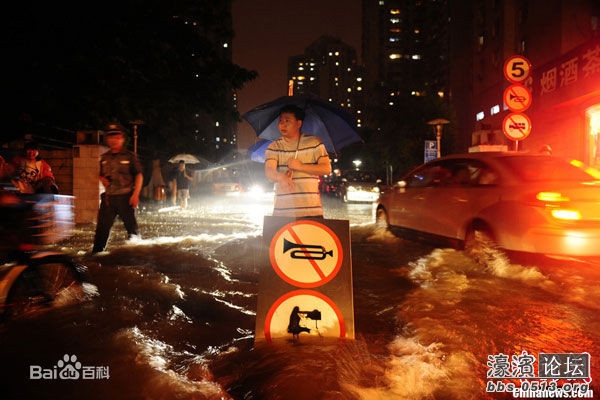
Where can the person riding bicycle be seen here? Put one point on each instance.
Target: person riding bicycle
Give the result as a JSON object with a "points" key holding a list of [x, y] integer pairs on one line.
{"points": [[28, 172]]}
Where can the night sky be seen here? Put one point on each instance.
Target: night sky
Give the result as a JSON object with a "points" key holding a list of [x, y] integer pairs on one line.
{"points": [[267, 32]]}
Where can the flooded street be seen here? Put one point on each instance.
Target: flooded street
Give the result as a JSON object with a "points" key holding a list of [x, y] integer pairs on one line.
{"points": [[172, 316]]}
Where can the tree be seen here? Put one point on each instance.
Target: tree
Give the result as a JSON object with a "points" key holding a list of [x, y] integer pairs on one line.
{"points": [[78, 66]]}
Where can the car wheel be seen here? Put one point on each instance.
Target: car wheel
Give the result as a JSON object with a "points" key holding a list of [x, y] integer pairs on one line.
{"points": [[480, 245], [381, 219]]}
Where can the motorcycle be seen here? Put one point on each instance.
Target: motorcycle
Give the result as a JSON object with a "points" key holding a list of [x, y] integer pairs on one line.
{"points": [[34, 278]]}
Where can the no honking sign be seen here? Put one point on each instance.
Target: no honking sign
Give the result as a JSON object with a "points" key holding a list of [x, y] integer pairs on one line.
{"points": [[307, 278]]}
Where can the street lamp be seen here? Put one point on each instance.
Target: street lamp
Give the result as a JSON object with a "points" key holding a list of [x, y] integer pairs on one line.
{"points": [[135, 124], [357, 164], [438, 123]]}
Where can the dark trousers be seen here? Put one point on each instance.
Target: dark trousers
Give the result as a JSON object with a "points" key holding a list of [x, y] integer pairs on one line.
{"points": [[110, 207]]}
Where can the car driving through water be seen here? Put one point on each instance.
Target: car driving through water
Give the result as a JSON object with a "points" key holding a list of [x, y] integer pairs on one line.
{"points": [[518, 201], [358, 186]]}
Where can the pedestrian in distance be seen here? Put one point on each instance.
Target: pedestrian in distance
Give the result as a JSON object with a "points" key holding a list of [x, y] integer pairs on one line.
{"points": [[294, 162], [122, 178], [183, 181]]}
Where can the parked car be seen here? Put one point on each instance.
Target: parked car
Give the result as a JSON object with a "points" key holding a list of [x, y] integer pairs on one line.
{"points": [[516, 201], [329, 184], [358, 186], [226, 186]]}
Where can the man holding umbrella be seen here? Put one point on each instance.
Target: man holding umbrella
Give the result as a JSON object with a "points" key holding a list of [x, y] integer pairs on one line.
{"points": [[294, 162]]}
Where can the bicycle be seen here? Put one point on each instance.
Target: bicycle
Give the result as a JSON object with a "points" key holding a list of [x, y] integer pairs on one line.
{"points": [[33, 278]]}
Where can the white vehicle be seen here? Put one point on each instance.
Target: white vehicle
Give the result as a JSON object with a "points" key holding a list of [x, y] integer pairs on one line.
{"points": [[520, 202]]}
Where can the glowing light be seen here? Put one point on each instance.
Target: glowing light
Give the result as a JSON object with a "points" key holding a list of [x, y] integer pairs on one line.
{"points": [[552, 197], [569, 215]]}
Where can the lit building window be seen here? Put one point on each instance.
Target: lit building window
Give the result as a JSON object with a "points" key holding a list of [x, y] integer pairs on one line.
{"points": [[395, 20], [395, 11], [479, 116], [225, 45], [440, 94], [495, 110], [395, 56], [416, 57]]}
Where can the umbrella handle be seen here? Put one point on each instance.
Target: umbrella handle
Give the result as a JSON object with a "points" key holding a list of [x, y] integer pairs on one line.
{"points": [[291, 170], [296, 154]]}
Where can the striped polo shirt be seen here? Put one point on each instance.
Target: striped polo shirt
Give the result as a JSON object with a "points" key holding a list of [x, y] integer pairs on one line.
{"points": [[305, 200]]}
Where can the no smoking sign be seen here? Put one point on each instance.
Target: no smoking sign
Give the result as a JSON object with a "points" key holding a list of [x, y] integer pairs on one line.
{"points": [[306, 253]]}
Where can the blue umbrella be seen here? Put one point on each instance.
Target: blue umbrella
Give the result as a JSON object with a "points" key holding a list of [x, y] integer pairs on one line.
{"points": [[333, 124], [258, 149]]}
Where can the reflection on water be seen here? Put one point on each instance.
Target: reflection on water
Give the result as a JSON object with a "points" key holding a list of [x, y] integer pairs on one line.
{"points": [[173, 317]]}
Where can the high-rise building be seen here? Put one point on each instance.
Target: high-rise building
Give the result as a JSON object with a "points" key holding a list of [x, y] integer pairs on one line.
{"points": [[405, 49], [329, 70]]}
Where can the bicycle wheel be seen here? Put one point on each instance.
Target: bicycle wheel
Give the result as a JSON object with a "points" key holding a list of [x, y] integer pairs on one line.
{"points": [[46, 282]]}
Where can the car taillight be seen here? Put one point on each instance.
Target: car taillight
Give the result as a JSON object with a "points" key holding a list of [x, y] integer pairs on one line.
{"points": [[569, 215], [25, 247], [555, 202], [551, 197]]}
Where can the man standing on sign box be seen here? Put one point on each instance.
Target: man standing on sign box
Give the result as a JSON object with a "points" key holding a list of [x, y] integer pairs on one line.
{"points": [[294, 162]]}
